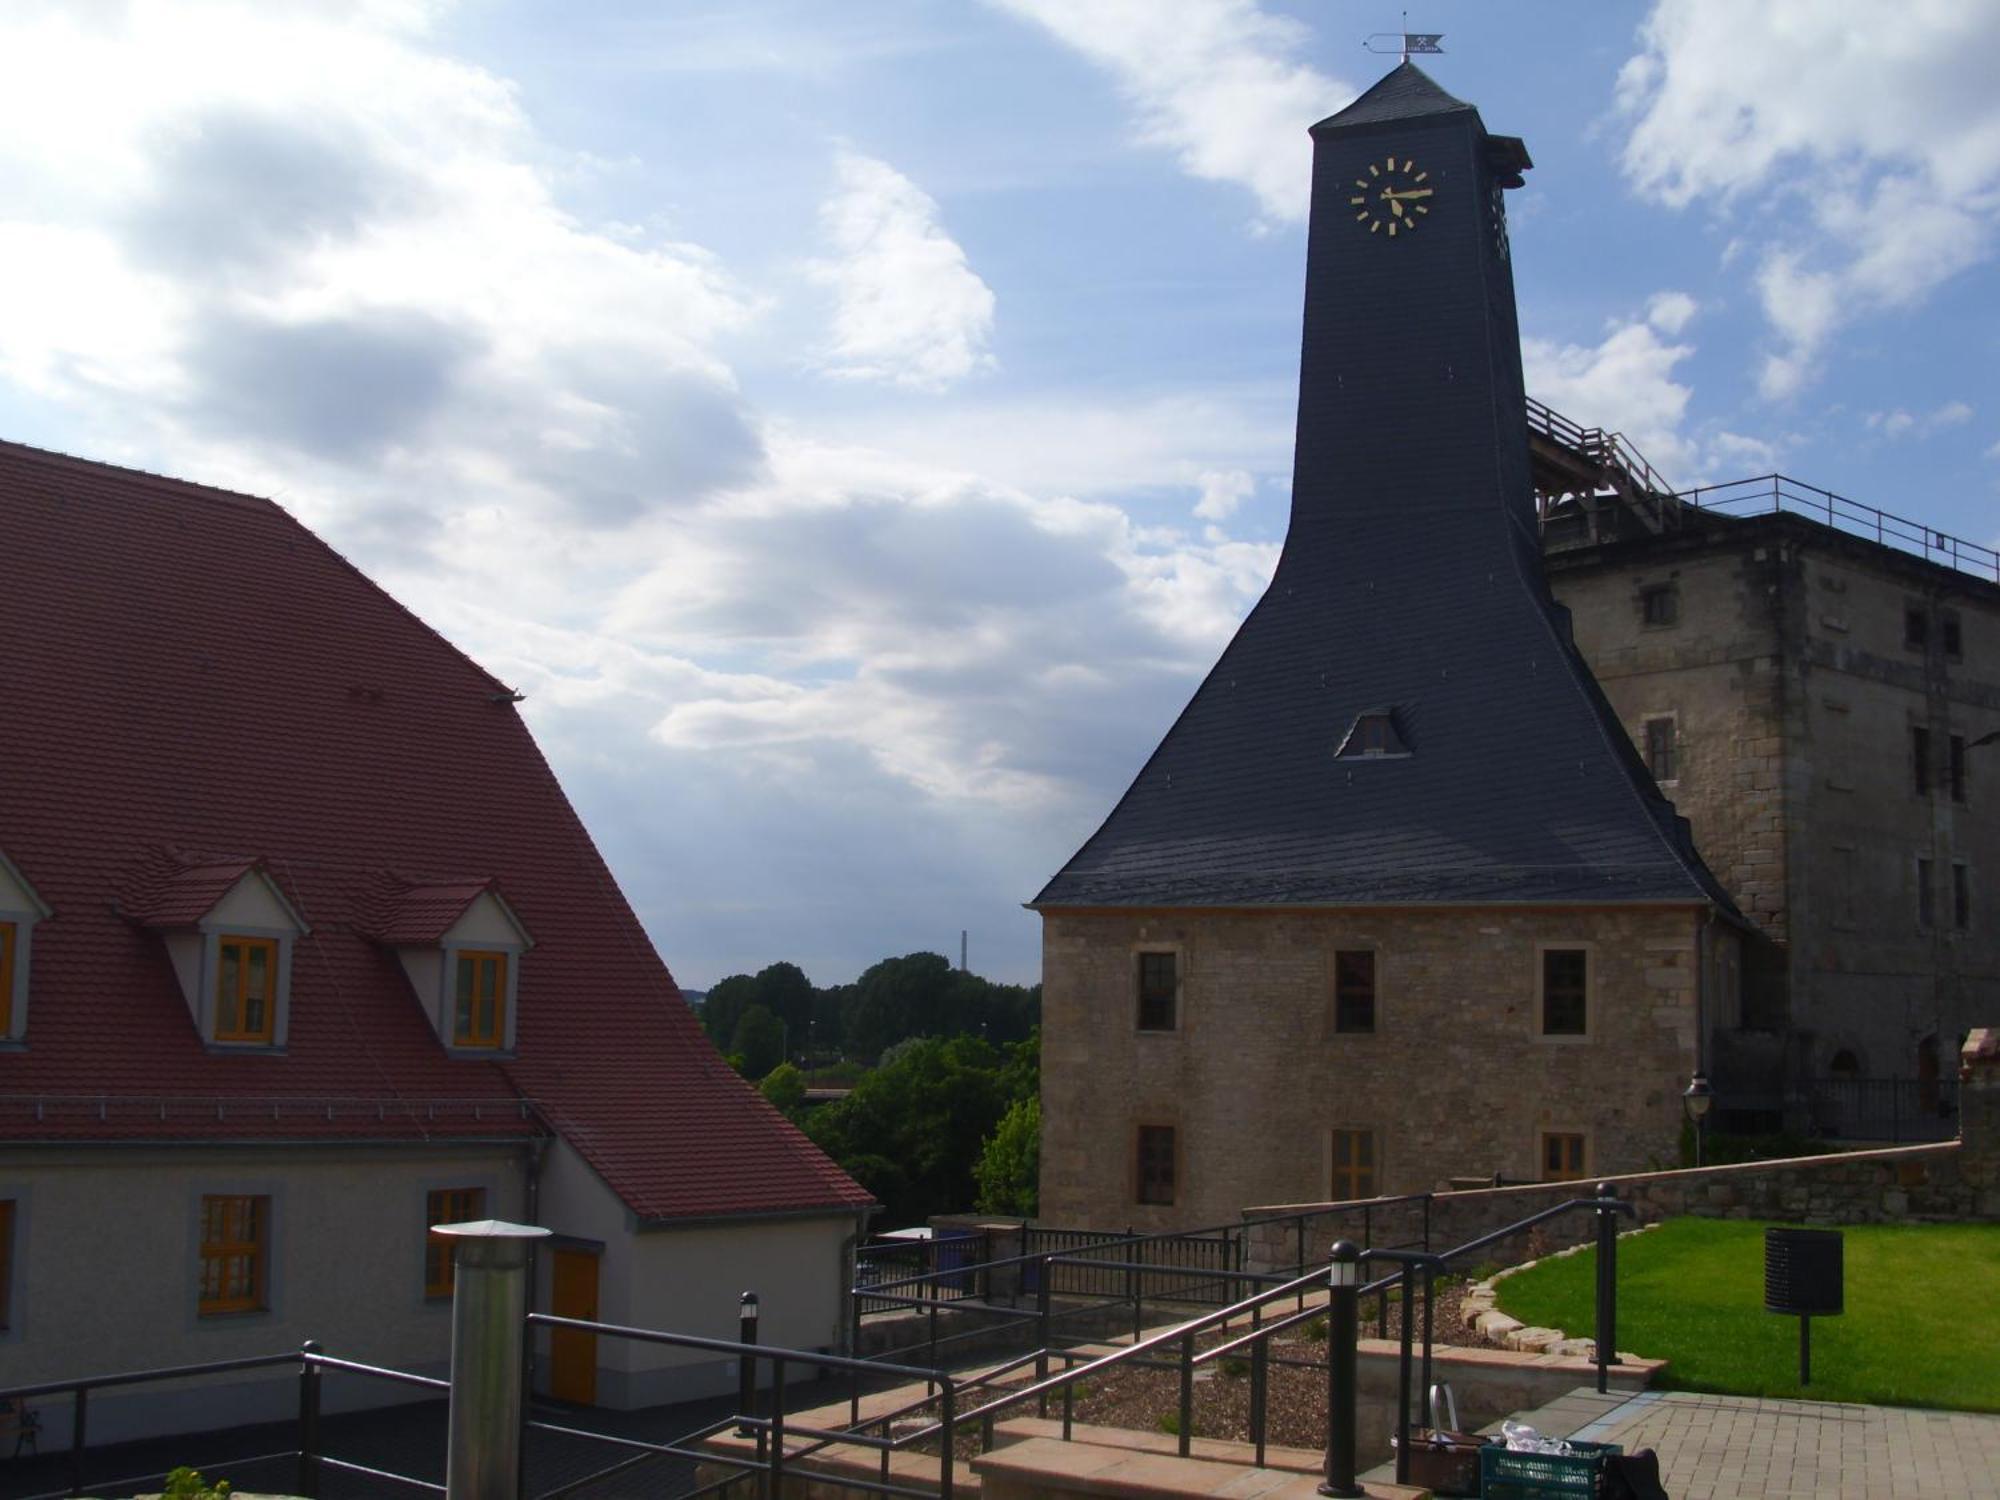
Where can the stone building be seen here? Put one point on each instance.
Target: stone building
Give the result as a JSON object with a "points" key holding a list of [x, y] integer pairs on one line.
{"points": [[1395, 899], [1820, 703]]}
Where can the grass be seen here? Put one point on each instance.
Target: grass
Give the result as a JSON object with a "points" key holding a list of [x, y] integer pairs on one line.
{"points": [[1918, 1329]]}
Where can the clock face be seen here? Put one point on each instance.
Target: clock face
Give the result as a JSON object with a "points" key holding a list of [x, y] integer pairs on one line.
{"points": [[1391, 196]]}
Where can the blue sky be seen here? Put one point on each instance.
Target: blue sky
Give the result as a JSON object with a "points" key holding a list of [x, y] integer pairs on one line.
{"points": [[856, 427]]}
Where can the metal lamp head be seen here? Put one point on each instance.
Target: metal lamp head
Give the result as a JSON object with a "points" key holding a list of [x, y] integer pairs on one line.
{"points": [[1699, 1095], [1344, 1266]]}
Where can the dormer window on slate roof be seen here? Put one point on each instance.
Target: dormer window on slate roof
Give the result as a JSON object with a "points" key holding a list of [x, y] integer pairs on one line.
{"points": [[1373, 736], [20, 910], [461, 945], [229, 932]]}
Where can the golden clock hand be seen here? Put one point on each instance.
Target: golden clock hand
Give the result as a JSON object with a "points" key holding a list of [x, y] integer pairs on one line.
{"points": [[1412, 193]]}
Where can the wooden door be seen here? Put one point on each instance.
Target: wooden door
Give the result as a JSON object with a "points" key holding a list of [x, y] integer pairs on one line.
{"points": [[573, 1355]]}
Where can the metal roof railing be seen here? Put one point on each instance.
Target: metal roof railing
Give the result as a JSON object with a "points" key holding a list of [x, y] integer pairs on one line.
{"points": [[1770, 493]]}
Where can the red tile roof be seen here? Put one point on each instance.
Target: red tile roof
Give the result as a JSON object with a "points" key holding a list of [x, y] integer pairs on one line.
{"points": [[178, 890], [412, 915], [192, 670]]}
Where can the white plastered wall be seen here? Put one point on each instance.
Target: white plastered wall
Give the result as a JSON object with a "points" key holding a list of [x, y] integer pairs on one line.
{"points": [[106, 1266], [690, 1280]]}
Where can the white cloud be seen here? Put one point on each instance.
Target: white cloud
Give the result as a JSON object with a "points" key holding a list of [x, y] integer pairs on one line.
{"points": [[1623, 383], [908, 308], [1217, 82], [1853, 147], [1222, 491], [1900, 423]]}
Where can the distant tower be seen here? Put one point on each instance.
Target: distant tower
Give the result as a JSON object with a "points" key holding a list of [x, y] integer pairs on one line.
{"points": [[1399, 742]]}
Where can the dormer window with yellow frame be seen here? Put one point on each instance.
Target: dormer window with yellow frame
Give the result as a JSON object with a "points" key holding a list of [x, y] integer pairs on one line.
{"points": [[20, 910], [246, 989], [479, 999]]}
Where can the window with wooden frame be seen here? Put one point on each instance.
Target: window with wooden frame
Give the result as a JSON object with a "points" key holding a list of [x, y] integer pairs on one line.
{"points": [[1354, 990], [1562, 1156], [446, 1206], [7, 935], [1353, 1159], [1660, 757], [6, 1263], [1659, 605], [246, 989], [1565, 992], [1156, 1164], [1159, 991], [235, 1253], [480, 1003]]}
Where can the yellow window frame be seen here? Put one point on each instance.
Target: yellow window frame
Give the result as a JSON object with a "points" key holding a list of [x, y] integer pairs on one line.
{"points": [[235, 1253], [1565, 1156], [1353, 1165], [446, 1206], [479, 999], [232, 1001]]}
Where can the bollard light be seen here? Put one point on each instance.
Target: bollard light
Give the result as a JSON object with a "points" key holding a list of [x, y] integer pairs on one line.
{"points": [[1344, 1266], [1343, 1305], [1698, 1096]]}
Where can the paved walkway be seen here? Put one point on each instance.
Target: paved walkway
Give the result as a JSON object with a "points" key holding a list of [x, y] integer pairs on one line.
{"points": [[1740, 1448]]}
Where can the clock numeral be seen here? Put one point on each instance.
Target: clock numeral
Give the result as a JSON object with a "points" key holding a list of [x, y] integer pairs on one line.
{"points": [[1421, 176]]}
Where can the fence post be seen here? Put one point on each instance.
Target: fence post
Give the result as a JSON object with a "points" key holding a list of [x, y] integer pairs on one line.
{"points": [[1403, 1378], [489, 1302], [746, 1365], [1343, 1326], [78, 1421], [1042, 1335], [309, 1378], [1187, 1394], [1607, 1286]]}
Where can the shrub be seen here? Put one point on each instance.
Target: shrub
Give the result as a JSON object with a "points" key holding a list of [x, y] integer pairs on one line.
{"points": [[1234, 1366]]}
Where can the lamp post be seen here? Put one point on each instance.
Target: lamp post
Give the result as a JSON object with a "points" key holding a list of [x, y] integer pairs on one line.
{"points": [[1698, 1096], [1343, 1308]]}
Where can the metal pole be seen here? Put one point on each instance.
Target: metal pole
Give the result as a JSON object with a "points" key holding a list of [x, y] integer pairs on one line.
{"points": [[79, 1419], [1607, 1288], [309, 1379], [1187, 1394], [1403, 1380], [1343, 1311], [1430, 1417], [774, 1476], [746, 1365], [488, 1303], [1260, 1376], [1805, 1349], [1042, 1333]]}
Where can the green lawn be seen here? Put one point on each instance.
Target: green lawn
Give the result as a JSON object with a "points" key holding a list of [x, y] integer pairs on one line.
{"points": [[1922, 1326]]}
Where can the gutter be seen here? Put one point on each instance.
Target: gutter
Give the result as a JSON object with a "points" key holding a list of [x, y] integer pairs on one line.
{"points": [[771, 1216]]}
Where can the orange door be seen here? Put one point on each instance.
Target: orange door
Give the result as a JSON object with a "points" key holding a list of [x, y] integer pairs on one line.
{"points": [[573, 1355]]}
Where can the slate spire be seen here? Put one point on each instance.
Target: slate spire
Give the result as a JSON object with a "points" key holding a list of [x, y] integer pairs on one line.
{"points": [[1402, 717]]}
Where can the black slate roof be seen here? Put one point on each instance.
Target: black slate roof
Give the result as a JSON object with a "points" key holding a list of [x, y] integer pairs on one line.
{"points": [[1520, 786], [1406, 92]]}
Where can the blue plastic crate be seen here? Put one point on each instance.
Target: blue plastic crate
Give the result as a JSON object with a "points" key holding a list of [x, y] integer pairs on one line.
{"points": [[1507, 1475]]}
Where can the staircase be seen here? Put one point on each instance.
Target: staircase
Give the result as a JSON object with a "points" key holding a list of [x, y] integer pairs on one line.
{"points": [[1591, 485]]}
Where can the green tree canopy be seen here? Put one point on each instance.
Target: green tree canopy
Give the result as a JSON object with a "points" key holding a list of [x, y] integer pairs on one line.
{"points": [[785, 1086], [760, 1037], [1008, 1171]]}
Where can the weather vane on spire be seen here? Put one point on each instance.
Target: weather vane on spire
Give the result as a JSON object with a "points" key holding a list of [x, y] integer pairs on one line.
{"points": [[1406, 40]]}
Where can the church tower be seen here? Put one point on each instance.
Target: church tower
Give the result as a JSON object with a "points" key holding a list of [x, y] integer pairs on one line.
{"points": [[1395, 899]]}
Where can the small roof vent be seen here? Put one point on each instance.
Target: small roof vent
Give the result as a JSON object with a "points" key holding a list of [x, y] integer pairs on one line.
{"points": [[1374, 736]]}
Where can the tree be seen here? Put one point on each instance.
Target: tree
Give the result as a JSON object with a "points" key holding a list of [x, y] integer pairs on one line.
{"points": [[1009, 1167], [723, 1009], [897, 998], [760, 1037], [785, 1086]]}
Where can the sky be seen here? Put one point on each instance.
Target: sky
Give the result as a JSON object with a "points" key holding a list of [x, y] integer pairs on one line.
{"points": [[857, 427]]}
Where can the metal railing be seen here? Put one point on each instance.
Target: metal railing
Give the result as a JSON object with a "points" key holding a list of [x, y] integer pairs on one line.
{"points": [[1608, 450], [312, 1364], [1779, 492], [1884, 1109]]}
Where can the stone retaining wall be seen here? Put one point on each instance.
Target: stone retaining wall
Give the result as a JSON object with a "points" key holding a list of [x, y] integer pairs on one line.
{"points": [[1952, 1180]]}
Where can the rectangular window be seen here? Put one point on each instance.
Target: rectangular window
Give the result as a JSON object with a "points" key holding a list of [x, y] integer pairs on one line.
{"points": [[1565, 991], [1920, 760], [1158, 991], [1660, 750], [1660, 604], [1961, 897], [446, 1206], [235, 1253], [246, 989], [1156, 1164], [1954, 636], [481, 1018], [1955, 766], [6, 979], [6, 1263], [1916, 627], [1926, 895], [1562, 1156], [1354, 990], [1353, 1165]]}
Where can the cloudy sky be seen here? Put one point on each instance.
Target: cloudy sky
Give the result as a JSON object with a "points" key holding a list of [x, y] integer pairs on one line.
{"points": [[856, 427]]}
